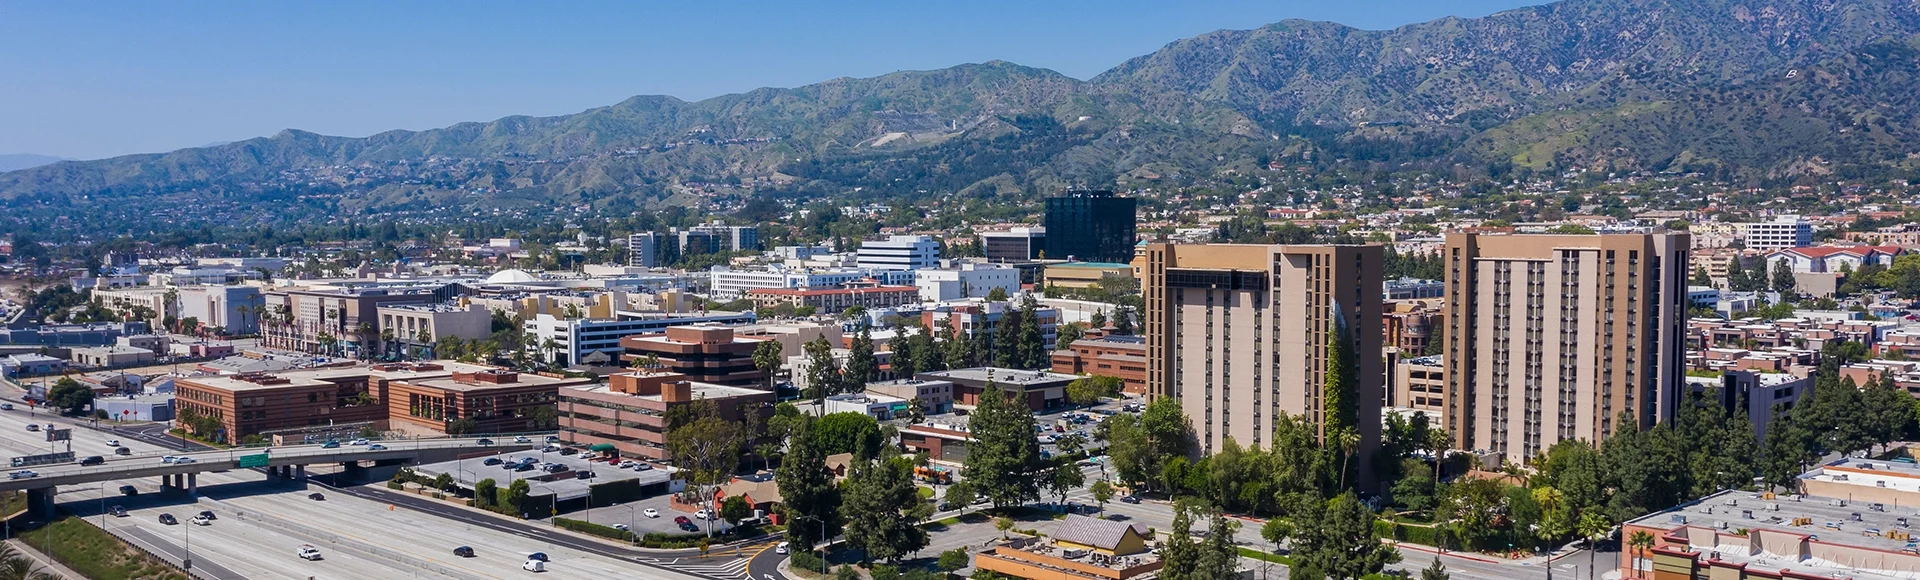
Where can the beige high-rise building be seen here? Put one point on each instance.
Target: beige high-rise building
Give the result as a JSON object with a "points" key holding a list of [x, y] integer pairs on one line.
{"points": [[1551, 337], [1240, 333]]}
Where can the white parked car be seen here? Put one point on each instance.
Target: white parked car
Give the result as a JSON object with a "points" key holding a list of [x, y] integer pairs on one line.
{"points": [[702, 515], [650, 512]]}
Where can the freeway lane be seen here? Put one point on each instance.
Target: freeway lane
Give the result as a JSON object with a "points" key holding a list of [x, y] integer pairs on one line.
{"points": [[121, 468], [172, 553], [719, 566]]}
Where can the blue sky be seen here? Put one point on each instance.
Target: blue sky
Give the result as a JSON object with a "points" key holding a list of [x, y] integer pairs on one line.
{"points": [[96, 79]]}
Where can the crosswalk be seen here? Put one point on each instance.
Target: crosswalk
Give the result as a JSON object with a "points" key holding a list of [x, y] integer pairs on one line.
{"points": [[722, 563]]}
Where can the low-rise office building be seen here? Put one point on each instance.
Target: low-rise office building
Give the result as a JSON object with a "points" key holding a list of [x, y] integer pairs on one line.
{"points": [[577, 339], [834, 300], [110, 356], [1118, 356], [491, 400], [630, 411], [704, 353], [1042, 390]]}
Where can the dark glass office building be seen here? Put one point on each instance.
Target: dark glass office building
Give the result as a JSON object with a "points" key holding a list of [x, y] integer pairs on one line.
{"points": [[1090, 226]]}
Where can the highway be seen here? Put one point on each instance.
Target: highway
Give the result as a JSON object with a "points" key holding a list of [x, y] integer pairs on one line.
{"points": [[262, 524], [149, 462]]}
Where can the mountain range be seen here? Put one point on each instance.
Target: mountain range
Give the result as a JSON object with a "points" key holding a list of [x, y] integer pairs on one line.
{"points": [[1747, 87]]}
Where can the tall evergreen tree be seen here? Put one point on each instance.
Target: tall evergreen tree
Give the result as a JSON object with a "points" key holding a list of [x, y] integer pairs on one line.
{"points": [[1003, 461], [883, 510], [808, 494], [1123, 320], [1737, 276], [906, 357], [956, 351], [1783, 281], [1342, 544], [1030, 347], [861, 363], [823, 373], [1785, 450]]}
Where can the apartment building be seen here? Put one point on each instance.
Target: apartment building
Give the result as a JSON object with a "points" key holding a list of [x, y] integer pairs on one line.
{"points": [[651, 249], [410, 323], [1240, 334], [1553, 337], [1420, 384]]}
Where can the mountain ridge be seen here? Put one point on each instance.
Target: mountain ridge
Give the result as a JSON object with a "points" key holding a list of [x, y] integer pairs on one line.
{"points": [[1497, 89]]}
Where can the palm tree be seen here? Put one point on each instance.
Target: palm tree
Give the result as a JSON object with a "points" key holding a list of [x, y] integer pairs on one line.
{"points": [[548, 346], [1349, 439], [1641, 541], [386, 341], [1438, 442], [17, 566], [1593, 526]]}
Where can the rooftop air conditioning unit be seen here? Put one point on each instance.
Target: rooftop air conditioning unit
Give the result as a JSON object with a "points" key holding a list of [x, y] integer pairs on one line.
{"points": [[1679, 519]]}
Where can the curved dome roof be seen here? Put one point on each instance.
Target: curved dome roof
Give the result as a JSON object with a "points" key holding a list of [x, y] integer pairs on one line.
{"points": [[511, 277]]}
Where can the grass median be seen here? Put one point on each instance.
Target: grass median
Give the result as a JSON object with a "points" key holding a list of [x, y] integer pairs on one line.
{"points": [[96, 554]]}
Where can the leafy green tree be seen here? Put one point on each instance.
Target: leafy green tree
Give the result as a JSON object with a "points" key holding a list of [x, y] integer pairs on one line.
{"points": [[1099, 320], [809, 496], [1343, 545], [69, 396], [1414, 490], [1737, 276], [997, 294], [883, 509], [707, 449], [1129, 451], [1062, 479], [1089, 389], [1102, 493], [953, 559], [734, 509], [1435, 571], [1574, 468], [1890, 410], [485, 493], [862, 366], [461, 426], [849, 432], [514, 498], [1700, 277], [1003, 461], [1066, 334], [443, 482], [1556, 514]]}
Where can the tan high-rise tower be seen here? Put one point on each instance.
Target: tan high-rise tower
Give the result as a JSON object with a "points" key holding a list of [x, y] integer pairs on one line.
{"points": [[1551, 337], [1241, 333]]}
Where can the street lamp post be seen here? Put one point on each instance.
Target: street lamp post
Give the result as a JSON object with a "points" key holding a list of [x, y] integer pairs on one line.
{"points": [[633, 523], [823, 538]]}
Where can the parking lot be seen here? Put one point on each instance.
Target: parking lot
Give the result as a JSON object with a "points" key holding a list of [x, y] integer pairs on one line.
{"points": [[567, 476]]}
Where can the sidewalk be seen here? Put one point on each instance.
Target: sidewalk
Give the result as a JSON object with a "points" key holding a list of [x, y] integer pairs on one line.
{"points": [[44, 561]]}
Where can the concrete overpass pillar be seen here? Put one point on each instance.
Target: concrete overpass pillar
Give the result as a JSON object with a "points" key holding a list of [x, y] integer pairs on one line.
{"points": [[40, 501], [193, 484], [165, 481], [300, 472]]}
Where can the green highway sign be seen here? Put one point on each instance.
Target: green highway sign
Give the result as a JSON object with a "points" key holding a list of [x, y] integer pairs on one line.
{"points": [[257, 460]]}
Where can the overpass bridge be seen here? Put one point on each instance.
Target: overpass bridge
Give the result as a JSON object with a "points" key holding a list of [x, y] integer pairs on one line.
{"points": [[286, 462]]}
